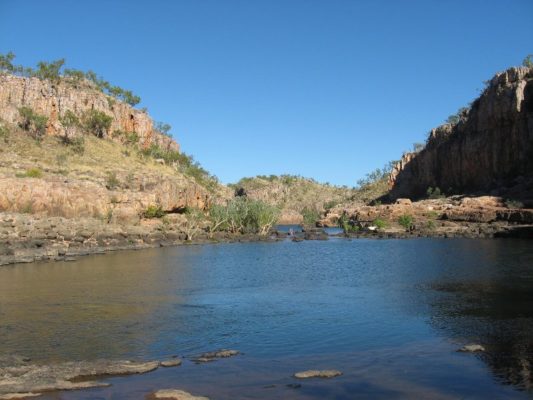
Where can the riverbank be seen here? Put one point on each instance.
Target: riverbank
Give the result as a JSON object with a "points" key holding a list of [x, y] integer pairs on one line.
{"points": [[27, 238]]}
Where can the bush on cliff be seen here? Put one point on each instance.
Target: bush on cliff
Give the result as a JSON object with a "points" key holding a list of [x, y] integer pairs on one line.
{"points": [[33, 123], [153, 211], [96, 122], [310, 216]]}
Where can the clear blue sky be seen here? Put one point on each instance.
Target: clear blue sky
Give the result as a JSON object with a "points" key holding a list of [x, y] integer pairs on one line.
{"points": [[328, 89]]}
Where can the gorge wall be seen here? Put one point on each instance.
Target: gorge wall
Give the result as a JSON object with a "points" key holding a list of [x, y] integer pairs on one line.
{"points": [[54, 99], [489, 150]]}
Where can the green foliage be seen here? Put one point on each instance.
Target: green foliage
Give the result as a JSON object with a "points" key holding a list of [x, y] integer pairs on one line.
{"points": [[347, 225], [434, 193], [31, 173], [243, 215], [406, 221], [34, 124], [112, 181], [310, 216], [513, 204], [330, 204], [50, 70], [193, 223], [528, 61], [96, 122], [163, 128], [430, 225], [153, 211], [461, 114], [6, 64], [380, 223], [379, 174], [4, 132], [418, 147], [130, 138]]}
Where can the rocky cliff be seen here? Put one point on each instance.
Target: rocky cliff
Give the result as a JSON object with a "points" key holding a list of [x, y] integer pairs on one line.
{"points": [[489, 149], [54, 99]]}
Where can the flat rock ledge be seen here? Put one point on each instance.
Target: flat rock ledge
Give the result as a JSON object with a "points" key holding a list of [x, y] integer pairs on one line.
{"points": [[214, 355], [471, 348], [313, 373], [21, 379], [175, 394]]}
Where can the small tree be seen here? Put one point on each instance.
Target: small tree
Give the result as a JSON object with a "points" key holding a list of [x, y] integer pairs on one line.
{"points": [[97, 123], [528, 61], [163, 128], [310, 216], [32, 123], [71, 123], [6, 64], [50, 70], [406, 221]]}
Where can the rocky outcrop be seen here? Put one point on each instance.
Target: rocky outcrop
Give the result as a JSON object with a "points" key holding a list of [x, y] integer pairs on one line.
{"points": [[490, 149], [54, 99]]}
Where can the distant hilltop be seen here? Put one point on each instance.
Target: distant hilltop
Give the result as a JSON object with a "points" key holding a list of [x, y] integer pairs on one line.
{"points": [[68, 99], [485, 148]]}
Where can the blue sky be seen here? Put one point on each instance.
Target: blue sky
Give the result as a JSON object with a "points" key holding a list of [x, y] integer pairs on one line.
{"points": [[328, 89]]}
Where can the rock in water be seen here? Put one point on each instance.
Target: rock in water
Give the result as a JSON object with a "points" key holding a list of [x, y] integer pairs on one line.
{"points": [[174, 394], [472, 348], [213, 355], [171, 363], [327, 373]]}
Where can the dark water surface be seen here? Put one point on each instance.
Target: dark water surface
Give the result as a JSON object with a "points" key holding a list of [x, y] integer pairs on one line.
{"points": [[390, 314]]}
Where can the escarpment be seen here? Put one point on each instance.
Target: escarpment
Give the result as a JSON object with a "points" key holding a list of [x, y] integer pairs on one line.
{"points": [[54, 98], [489, 149]]}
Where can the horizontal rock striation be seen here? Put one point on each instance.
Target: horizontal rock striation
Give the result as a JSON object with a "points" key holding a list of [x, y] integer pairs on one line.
{"points": [[53, 100], [490, 149]]}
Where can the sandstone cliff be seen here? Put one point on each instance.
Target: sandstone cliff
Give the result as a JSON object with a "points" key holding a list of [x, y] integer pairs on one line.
{"points": [[54, 99], [490, 149]]}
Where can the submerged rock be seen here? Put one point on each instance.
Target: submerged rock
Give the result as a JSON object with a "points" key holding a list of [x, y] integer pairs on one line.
{"points": [[327, 373], [213, 355], [471, 348], [19, 377], [175, 394], [171, 363]]}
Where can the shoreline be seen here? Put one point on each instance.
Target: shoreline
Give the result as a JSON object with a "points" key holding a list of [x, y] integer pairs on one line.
{"points": [[28, 238]]}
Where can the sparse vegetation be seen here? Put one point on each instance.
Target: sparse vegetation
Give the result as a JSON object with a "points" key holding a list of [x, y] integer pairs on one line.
{"points": [[163, 128], [513, 204], [33, 172], [97, 123], [310, 216], [347, 225], [153, 211], [434, 193], [379, 223], [461, 114], [51, 71], [33, 123], [528, 61], [406, 221], [241, 215], [194, 222], [112, 181]]}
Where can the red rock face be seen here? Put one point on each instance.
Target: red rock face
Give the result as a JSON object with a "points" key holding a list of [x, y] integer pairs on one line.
{"points": [[490, 148], [54, 101]]}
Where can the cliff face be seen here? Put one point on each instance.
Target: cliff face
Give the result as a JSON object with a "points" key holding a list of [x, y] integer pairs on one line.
{"points": [[54, 99], [489, 149]]}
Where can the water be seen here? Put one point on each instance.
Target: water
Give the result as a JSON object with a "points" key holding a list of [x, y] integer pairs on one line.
{"points": [[389, 313]]}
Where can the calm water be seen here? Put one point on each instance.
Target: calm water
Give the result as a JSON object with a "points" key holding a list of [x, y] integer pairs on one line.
{"points": [[389, 313]]}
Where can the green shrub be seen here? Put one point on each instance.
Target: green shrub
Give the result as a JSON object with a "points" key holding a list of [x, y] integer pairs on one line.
{"points": [[70, 122], [163, 128], [112, 181], [513, 204], [347, 225], [379, 223], [34, 124], [31, 173], [310, 216], [153, 211], [243, 215], [4, 132], [97, 123], [528, 61], [434, 193], [49, 70], [430, 225], [406, 221]]}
